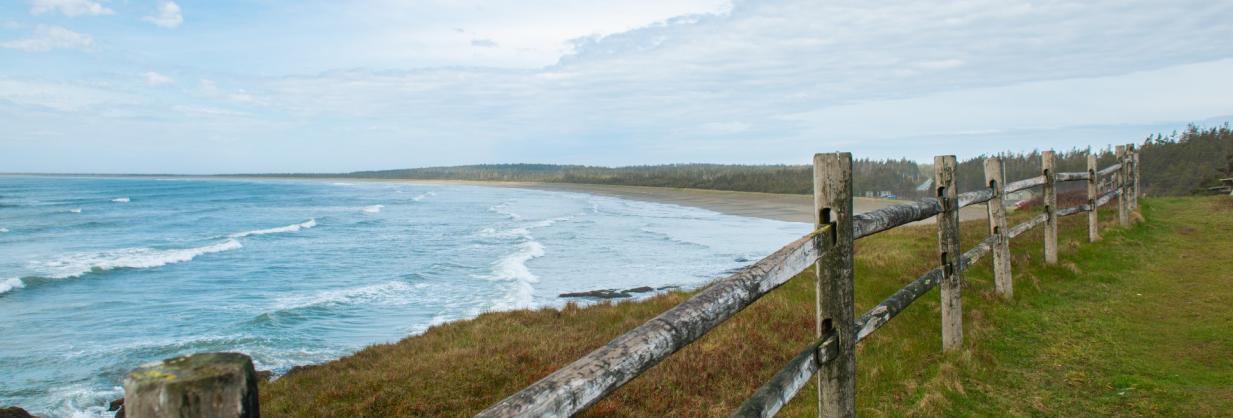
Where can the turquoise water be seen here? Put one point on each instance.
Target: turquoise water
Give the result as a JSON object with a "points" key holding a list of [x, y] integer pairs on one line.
{"points": [[100, 275]]}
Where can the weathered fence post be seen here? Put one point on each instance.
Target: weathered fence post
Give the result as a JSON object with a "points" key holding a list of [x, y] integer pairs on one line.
{"points": [[832, 199], [1093, 221], [222, 385], [1123, 214], [994, 177], [1050, 201], [950, 252], [1134, 162]]}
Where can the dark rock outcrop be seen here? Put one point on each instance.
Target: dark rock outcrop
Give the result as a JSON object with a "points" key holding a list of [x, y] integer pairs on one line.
{"points": [[615, 293], [15, 412], [117, 406], [598, 294], [265, 376]]}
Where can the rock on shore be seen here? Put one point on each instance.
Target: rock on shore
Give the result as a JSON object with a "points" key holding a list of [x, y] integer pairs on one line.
{"points": [[15, 412], [614, 293]]}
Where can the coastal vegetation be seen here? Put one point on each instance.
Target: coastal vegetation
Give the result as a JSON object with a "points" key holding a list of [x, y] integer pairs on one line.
{"points": [[1133, 325], [1181, 163]]}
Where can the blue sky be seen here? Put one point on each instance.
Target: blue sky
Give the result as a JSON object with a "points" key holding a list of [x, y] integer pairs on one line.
{"points": [[272, 86]]}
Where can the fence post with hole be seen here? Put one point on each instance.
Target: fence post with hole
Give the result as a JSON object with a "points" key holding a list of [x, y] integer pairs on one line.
{"points": [[1134, 162], [1048, 169], [832, 192], [949, 252], [1123, 213], [1137, 190], [1093, 192], [994, 178]]}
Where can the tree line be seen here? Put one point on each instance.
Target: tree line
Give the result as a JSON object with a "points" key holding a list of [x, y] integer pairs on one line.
{"points": [[1184, 162]]}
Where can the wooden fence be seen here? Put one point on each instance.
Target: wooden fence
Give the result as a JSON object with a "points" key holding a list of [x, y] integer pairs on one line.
{"points": [[222, 385], [831, 356]]}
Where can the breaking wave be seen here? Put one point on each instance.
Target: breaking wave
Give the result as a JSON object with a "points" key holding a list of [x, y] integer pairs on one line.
{"points": [[390, 293], [372, 209], [80, 264], [11, 283], [282, 229], [120, 200], [513, 268]]}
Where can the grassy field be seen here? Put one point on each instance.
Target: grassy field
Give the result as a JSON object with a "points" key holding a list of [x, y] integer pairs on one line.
{"points": [[1139, 324]]}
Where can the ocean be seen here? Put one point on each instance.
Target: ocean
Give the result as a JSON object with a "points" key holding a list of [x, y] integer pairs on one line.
{"points": [[100, 275]]}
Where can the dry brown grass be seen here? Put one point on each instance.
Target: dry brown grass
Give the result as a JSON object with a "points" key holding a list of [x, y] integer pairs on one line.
{"points": [[458, 369]]}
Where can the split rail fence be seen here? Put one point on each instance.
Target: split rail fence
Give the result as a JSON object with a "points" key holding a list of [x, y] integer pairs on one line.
{"points": [[224, 385], [831, 356]]}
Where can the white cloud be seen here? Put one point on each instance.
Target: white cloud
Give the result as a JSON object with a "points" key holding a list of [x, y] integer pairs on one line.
{"points": [[483, 43], [209, 89], [46, 38], [206, 111], [940, 64], [531, 33], [70, 8], [155, 79], [66, 97], [762, 81], [168, 16]]}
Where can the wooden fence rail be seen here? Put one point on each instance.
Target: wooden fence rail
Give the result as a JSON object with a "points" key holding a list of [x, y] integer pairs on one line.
{"points": [[578, 385]]}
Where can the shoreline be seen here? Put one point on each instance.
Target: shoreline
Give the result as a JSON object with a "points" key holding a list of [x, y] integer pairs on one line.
{"points": [[773, 206]]}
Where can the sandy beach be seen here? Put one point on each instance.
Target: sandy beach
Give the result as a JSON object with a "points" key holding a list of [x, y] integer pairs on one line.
{"points": [[782, 207]]}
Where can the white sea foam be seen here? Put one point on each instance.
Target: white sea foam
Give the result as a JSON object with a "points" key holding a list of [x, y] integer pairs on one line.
{"points": [[502, 209], [120, 200], [339, 183], [513, 268], [549, 222], [387, 293], [3, 230], [282, 229], [11, 283], [81, 401], [79, 264], [75, 210], [508, 233], [372, 209], [423, 196]]}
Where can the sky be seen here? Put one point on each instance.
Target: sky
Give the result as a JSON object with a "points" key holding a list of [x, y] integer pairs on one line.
{"points": [[247, 86]]}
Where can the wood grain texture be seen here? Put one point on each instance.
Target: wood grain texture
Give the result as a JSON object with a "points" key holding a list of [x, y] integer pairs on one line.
{"points": [[949, 253], [1027, 225], [1024, 184], [1002, 281], [835, 294], [1107, 197], [782, 387], [1048, 169], [1072, 176], [1093, 192], [1123, 209], [588, 379], [1110, 170]]}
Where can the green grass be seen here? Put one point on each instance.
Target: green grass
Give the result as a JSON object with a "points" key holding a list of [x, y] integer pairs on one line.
{"points": [[1138, 324]]}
